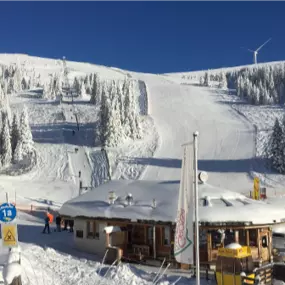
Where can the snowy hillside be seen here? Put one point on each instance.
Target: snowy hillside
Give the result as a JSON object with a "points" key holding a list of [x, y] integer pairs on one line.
{"points": [[167, 109]]}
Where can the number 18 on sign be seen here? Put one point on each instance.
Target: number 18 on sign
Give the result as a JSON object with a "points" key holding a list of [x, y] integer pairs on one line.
{"points": [[7, 212]]}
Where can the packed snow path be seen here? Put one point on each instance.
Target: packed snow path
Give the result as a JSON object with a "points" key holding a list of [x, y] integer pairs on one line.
{"points": [[78, 157], [226, 141]]}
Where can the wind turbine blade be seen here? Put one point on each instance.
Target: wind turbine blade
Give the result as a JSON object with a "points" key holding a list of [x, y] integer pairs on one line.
{"points": [[263, 44], [247, 49]]}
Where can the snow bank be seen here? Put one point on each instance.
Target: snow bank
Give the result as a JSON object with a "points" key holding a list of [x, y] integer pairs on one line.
{"points": [[12, 268], [51, 267], [11, 271]]}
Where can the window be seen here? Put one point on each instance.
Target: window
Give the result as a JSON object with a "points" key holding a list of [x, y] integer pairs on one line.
{"points": [[242, 237], [264, 242], [166, 235], [253, 237], [92, 230], [229, 237], [216, 239], [150, 235], [203, 239], [79, 234]]}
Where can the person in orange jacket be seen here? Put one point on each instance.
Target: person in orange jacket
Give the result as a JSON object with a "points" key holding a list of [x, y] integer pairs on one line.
{"points": [[50, 217]]}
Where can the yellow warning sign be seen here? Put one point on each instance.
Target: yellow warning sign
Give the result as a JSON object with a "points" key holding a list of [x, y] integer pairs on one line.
{"points": [[9, 235], [256, 191]]}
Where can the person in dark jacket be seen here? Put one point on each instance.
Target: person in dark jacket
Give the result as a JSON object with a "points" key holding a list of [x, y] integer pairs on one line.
{"points": [[46, 225], [58, 223], [71, 224], [65, 225]]}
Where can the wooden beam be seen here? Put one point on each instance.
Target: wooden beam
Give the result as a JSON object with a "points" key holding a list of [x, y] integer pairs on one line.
{"points": [[107, 240], [209, 246], [258, 244], [247, 237], [154, 242], [236, 236]]}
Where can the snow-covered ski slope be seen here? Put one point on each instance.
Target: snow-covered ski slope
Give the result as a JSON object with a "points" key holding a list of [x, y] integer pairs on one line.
{"points": [[227, 142]]}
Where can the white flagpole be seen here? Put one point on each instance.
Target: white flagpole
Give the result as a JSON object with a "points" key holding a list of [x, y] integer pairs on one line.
{"points": [[195, 137]]}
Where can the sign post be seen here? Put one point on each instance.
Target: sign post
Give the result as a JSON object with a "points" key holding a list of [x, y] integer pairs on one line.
{"points": [[9, 230], [9, 235], [8, 212]]}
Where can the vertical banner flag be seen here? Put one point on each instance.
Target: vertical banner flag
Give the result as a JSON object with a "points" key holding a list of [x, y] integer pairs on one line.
{"points": [[256, 194], [183, 242]]}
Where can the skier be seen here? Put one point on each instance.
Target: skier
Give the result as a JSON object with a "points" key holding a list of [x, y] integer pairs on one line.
{"points": [[58, 223], [47, 221], [71, 224], [73, 132], [79, 173]]}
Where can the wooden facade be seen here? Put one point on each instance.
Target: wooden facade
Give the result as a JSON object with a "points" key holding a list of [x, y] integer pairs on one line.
{"points": [[145, 240]]}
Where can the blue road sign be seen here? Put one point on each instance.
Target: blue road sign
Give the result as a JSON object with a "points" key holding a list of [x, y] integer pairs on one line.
{"points": [[8, 212]]}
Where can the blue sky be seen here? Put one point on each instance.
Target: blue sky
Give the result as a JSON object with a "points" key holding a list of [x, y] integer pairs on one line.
{"points": [[152, 37]]}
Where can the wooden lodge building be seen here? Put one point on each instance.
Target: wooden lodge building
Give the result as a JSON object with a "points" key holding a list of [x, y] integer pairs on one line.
{"points": [[138, 219]]}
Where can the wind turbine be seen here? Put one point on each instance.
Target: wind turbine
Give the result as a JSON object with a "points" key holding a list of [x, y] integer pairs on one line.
{"points": [[255, 52]]}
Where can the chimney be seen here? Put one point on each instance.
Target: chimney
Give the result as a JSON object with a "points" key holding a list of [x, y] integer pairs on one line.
{"points": [[129, 199], [112, 197]]}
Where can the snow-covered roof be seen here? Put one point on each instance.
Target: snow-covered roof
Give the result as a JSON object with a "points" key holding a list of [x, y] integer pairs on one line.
{"points": [[216, 204]]}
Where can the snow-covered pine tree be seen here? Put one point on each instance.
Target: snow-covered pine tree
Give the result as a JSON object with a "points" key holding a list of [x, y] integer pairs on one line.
{"points": [[26, 136], [18, 153], [2, 94], [76, 86], [10, 86], [127, 108], [6, 150], [206, 79], [121, 99], [223, 84], [276, 148], [24, 84], [94, 90], [32, 80], [115, 132], [87, 84], [46, 89], [17, 79], [82, 91], [57, 85], [15, 133], [103, 117], [91, 78]]}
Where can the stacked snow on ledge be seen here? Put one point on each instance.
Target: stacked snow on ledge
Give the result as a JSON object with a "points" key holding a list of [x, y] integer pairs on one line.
{"points": [[233, 245], [216, 204]]}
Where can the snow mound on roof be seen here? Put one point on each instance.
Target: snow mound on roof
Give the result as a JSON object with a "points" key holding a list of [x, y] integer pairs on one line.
{"points": [[216, 204]]}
